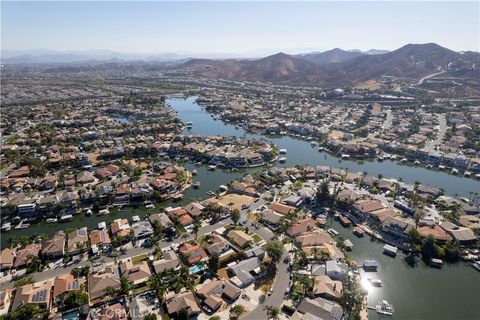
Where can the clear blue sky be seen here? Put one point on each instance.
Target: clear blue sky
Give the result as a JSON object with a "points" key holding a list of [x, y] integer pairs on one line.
{"points": [[237, 27]]}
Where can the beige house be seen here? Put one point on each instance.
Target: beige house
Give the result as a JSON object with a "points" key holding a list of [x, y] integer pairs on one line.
{"points": [[97, 283], [37, 293], [137, 274], [240, 238], [183, 301]]}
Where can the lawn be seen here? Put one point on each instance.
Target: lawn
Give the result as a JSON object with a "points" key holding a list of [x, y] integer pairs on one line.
{"points": [[256, 238], [138, 259]]}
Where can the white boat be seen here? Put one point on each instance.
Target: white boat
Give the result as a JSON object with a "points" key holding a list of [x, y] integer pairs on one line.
{"points": [[441, 167], [333, 232], [51, 220], [7, 226], [102, 225], [375, 282], [282, 151], [467, 173], [66, 217], [282, 160], [454, 171], [345, 156], [416, 162], [22, 226], [223, 187], [212, 168], [103, 212], [383, 307], [476, 265], [194, 172]]}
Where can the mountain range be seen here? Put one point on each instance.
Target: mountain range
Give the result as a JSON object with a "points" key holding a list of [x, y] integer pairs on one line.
{"points": [[338, 66]]}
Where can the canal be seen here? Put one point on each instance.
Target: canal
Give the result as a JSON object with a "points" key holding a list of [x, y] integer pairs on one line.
{"points": [[416, 293]]}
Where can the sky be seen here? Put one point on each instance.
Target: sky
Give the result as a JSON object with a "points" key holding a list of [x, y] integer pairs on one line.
{"points": [[237, 27]]}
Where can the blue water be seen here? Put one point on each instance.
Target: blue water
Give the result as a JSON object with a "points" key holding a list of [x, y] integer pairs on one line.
{"points": [[197, 268], [300, 152]]}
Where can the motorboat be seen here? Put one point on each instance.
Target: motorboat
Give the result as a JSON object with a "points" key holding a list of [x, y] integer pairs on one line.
{"points": [[66, 217], [375, 282], [51, 220], [383, 307]]}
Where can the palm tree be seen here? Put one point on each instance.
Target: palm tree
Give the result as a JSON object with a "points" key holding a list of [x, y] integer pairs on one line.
{"points": [[110, 291], [273, 313]]}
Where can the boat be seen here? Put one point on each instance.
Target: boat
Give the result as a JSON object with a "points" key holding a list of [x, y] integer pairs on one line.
{"points": [[223, 187], [149, 205], [348, 245], [211, 193], [177, 197], [370, 265], [441, 167], [383, 307], [320, 149], [212, 168], [345, 156], [136, 218], [375, 282], [101, 225], [22, 226], [380, 159], [436, 263], [404, 160], [194, 172], [333, 232], [103, 212], [66, 217], [189, 125], [51, 220], [282, 160], [476, 265], [196, 185], [313, 144], [358, 232], [416, 162], [282, 151], [454, 171], [89, 212], [7, 226], [467, 173], [390, 250], [336, 216], [344, 221]]}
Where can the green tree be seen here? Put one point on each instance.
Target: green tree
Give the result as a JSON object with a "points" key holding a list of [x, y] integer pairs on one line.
{"points": [[125, 285], [214, 262], [150, 316], [237, 310], [274, 250], [24, 281], [273, 313], [235, 215]]}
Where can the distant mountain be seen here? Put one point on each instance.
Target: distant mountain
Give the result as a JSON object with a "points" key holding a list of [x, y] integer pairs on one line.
{"points": [[411, 61], [331, 56], [376, 51]]}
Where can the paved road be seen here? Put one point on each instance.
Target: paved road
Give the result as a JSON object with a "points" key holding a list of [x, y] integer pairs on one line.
{"points": [[429, 76], [442, 129]]}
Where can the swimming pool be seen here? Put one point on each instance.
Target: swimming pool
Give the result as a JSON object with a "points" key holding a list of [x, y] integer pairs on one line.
{"points": [[197, 268]]}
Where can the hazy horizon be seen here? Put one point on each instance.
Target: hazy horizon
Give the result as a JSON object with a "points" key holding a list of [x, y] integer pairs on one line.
{"points": [[236, 28]]}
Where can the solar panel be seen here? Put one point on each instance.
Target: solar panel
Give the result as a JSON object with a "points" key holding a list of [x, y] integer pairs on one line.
{"points": [[39, 296]]}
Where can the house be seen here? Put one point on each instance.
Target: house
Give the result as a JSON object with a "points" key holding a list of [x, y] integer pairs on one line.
{"points": [[364, 207], [113, 312], [142, 229], [211, 295], [100, 237], [398, 227], [136, 274], [327, 288], [77, 241], [320, 308], [38, 293], [64, 284], [240, 238], [336, 270], [462, 234], [194, 209], [301, 226], [281, 208], [436, 231], [169, 261], [23, 255], [217, 244], [271, 217], [314, 238], [230, 292], [245, 272], [54, 248], [140, 307], [120, 228], [182, 301], [192, 253], [98, 283], [7, 256], [162, 218]]}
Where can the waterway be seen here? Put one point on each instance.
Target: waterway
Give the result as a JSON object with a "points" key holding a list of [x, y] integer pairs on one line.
{"points": [[416, 293]]}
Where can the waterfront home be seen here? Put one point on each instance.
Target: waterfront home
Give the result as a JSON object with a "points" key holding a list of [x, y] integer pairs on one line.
{"points": [[364, 207], [314, 238], [169, 261], [319, 308], [100, 281], [7, 257], [327, 288], [182, 301], [192, 253], [38, 293], [463, 235], [336, 270], [301, 226], [436, 231], [64, 284], [381, 215], [100, 237], [240, 238], [77, 241], [398, 227], [137, 274], [23, 255], [120, 228], [54, 248], [245, 272], [161, 218], [142, 229], [194, 208]]}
